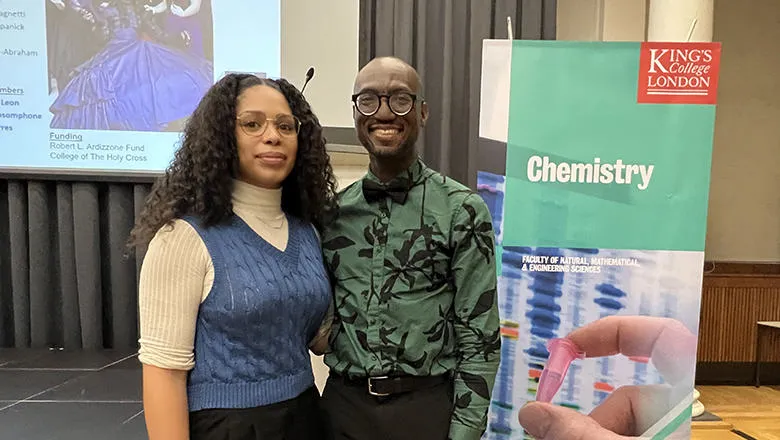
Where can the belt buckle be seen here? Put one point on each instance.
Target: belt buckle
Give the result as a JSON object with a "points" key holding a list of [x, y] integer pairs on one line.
{"points": [[371, 388]]}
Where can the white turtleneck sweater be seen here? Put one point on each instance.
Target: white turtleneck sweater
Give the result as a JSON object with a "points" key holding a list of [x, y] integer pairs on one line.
{"points": [[177, 275]]}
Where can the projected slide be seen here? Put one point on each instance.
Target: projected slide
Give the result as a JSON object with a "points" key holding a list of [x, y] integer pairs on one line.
{"points": [[107, 86]]}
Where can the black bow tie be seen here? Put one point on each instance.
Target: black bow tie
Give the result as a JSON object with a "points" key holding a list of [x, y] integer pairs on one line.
{"points": [[396, 189]]}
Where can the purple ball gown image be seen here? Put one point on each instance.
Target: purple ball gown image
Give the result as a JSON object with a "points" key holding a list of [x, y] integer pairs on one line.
{"points": [[136, 82]]}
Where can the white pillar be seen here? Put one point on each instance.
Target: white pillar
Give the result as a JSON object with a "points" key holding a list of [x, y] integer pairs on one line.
{"points": [[681, 20], [671, 20]]}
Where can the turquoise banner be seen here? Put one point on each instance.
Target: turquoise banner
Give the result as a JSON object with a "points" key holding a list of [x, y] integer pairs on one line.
{"points": [[600, 169], [597, 179]]}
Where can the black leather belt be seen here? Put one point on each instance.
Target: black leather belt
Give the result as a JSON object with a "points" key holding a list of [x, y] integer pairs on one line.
{"points": [[382, 386]]}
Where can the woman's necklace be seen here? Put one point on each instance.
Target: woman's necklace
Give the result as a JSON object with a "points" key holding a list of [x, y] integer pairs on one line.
{"points": [[281, 221]]}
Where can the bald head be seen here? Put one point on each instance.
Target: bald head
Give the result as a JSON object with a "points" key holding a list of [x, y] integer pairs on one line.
{"points": [[383, 66], [389, 112]]}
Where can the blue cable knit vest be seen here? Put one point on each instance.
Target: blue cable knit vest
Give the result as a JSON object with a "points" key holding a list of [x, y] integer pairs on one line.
{"points": [[253, 329]]}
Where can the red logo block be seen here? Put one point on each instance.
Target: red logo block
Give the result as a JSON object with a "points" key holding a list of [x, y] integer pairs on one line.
{"points": [[678, 73]]}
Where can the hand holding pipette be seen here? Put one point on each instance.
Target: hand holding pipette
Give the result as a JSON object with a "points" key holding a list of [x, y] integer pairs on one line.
{"points": [[628, 411]]}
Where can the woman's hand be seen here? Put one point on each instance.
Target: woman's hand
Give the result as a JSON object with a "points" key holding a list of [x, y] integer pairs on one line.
{"points": [[177, 10]]}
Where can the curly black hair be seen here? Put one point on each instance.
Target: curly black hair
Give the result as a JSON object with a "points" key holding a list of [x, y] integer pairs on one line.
{"points": [[199, 181]]}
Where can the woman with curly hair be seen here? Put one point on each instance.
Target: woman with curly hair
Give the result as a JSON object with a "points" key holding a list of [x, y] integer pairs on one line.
{"points": [[233, 291]]}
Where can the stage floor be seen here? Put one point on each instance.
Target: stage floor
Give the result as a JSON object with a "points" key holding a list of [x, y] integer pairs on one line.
{"points": [[748, 413], [46, 395]]}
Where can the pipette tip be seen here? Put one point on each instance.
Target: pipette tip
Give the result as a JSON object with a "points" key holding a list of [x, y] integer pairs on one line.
{"points": [[562, 353]]}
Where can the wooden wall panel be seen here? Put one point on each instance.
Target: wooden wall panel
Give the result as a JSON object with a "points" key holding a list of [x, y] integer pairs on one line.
{"points": [[732, 303]]}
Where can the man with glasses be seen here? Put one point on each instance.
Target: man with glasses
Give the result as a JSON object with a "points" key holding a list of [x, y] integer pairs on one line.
{"points": [[415, 344]]}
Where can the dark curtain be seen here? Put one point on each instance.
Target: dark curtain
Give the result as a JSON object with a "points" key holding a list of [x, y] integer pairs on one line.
{"points": [[64, 278], [442, 39]]}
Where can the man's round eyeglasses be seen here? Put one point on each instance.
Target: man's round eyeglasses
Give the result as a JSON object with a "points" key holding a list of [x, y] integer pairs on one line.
{"points": [[255, 124], [368, 103]]}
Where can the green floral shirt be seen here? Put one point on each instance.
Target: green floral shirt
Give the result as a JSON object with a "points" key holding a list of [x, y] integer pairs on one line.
{"points": [[415, 290]]}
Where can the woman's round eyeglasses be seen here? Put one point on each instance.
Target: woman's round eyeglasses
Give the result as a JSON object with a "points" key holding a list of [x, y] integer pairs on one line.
{"points": [[255, 124], [368, 103]]}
